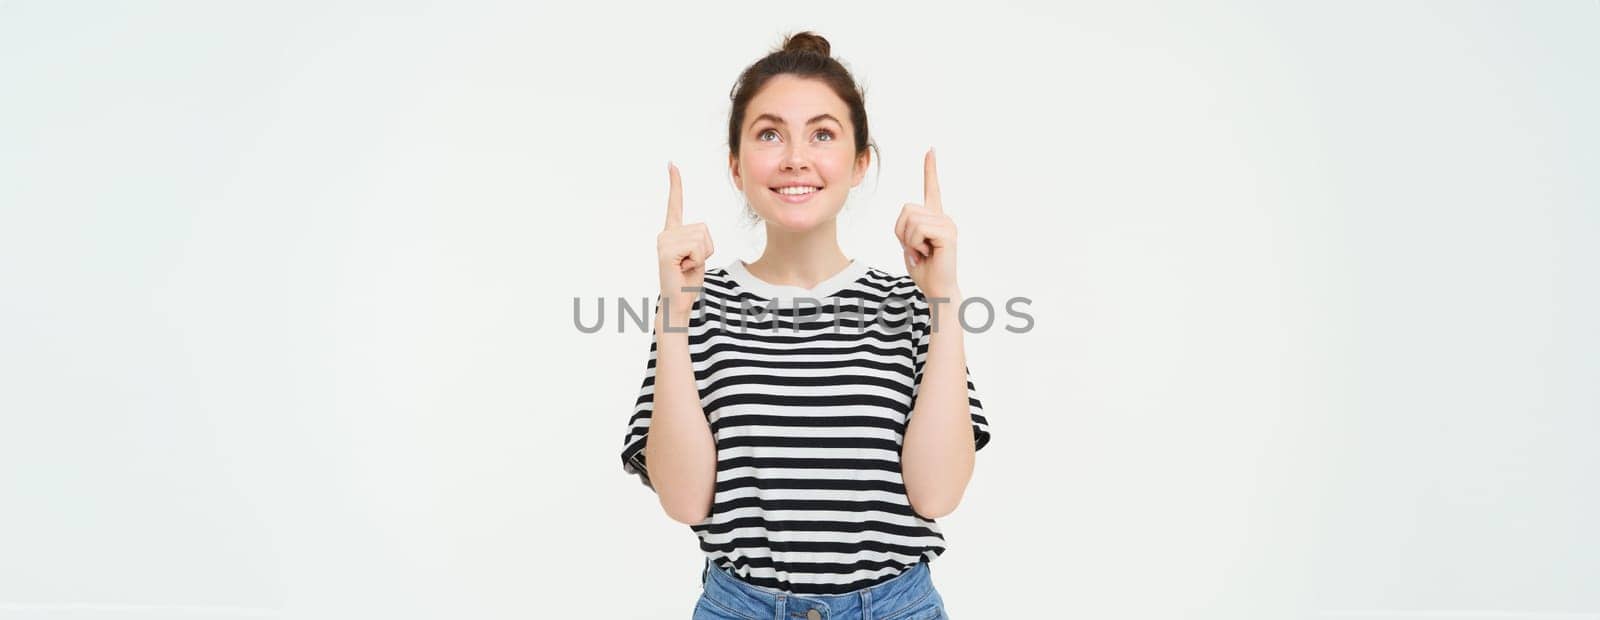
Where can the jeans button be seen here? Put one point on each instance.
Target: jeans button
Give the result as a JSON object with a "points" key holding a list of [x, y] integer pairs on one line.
{"points": [[813, 615]]}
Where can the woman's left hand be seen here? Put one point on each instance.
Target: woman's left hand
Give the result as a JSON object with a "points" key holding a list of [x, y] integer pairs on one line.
{"points": [[928, 237]]}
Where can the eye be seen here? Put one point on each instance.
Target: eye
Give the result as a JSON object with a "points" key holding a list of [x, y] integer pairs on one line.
{"points": [[764, 132], [825, 132]]}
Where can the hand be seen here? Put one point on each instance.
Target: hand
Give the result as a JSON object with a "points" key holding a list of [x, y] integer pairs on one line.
{"points": [[928, 237], [681, 250]]}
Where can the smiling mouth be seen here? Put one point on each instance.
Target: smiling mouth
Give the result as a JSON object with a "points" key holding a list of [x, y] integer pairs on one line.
{"points": [[794, 195]]}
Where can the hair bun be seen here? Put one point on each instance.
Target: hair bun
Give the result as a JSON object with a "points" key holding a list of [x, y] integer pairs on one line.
{"points": [[806, 41]]}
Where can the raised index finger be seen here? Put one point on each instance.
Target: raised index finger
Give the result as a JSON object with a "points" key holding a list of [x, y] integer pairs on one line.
{"points": [[930, 184], [674, 197]]}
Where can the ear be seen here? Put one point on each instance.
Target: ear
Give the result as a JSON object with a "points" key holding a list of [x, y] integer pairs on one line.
{"points": [[861, 167], [733, 169]]}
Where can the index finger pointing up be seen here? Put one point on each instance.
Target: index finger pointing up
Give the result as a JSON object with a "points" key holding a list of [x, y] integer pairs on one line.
{"points": [[930, 183], [674, 197]]}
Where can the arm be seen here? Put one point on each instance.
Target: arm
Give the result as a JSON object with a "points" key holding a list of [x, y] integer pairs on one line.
{"points": [[680, 451], [938, 453]]}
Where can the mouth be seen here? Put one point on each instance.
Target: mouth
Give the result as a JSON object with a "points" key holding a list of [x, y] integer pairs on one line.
{"points": [[795, 194]]}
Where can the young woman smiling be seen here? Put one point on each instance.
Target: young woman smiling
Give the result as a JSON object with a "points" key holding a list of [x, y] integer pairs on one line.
{"points": [[810, 455]]}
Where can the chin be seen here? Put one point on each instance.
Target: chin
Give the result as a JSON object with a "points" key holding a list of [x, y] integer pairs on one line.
{"points": [[795, 220]]}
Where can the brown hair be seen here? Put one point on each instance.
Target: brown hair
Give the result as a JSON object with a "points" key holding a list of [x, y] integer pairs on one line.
{"points": [[803, 54]]}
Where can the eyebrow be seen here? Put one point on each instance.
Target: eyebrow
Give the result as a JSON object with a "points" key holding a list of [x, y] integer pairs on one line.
{"points": [[815, 119]]}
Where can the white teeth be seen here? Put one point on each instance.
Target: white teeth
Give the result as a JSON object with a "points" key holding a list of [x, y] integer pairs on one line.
{"points": [[796, 191]]}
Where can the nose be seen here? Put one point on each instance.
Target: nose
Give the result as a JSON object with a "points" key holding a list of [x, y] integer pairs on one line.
{"points": [[794, 159]]}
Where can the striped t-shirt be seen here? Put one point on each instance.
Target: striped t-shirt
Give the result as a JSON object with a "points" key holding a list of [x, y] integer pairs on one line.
{"points": [[808, 425]]}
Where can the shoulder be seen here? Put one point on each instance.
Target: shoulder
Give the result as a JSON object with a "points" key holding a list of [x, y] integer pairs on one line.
{"points": [[718, 280], [898, 287], [895, 293], [892, 285], [719, 273], [720, 288]]}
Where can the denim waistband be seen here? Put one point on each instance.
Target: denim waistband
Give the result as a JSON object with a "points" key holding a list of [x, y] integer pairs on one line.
{"points": [[909, 591]]}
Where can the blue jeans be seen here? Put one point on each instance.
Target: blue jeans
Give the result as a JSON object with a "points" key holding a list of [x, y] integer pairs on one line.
{"points": [[908, 596]]}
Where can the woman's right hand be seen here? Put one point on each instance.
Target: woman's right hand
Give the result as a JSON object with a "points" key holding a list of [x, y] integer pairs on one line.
{"points": [[681, 251]]}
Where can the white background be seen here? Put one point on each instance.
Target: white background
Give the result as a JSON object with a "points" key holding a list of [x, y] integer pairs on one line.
{"points": [[286, 300]]}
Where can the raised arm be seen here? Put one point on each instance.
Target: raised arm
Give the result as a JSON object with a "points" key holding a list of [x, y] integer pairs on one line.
{"points": [[680, 451]]}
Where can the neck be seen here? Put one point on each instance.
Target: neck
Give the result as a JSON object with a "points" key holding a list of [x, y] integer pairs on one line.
{"points": [[801, 259]]}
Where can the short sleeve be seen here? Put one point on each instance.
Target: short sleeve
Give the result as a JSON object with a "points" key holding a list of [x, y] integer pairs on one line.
{"points": [[638, 432], [920, 330], [639, 424]]}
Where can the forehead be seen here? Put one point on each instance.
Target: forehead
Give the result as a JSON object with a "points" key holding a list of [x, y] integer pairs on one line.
{"points": [[796, 99]]}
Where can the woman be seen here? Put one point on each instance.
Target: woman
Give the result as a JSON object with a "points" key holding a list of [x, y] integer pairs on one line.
{"points": [[808, 416]]}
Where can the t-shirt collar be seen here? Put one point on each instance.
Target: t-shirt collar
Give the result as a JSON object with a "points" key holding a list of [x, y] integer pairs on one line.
{"points": [[827, 288]]}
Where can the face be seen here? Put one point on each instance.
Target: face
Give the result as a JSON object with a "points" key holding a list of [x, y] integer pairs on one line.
{"points": [[797, 135]]}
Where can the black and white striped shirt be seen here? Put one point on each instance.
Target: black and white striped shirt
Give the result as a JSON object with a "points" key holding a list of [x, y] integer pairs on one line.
{"points": [[808, 427]]}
